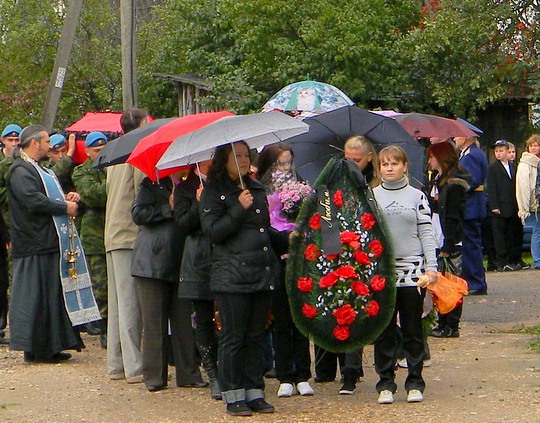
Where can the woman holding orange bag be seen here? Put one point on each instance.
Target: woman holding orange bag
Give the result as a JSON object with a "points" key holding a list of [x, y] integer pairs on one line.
{"points": [[448, 183]]}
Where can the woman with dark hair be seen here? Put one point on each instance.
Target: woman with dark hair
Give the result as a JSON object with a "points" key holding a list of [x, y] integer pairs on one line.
{"points": [[276, 166], [234, 215], [291, 347], [448, 184], [155, 268], [195, 269]]}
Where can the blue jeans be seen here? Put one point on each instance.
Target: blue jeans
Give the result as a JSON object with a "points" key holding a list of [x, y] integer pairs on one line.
{"points": [[534, 222]]}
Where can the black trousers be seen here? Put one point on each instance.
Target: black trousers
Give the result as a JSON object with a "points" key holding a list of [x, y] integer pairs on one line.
{"points": [[291, 348], [205, 329], [4, 283], [409, 304], [507, 238], [159, 306], [241, 343], [350, 364]]}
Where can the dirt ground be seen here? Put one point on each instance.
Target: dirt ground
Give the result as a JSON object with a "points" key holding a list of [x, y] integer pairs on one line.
{"points": [[487, 375]]}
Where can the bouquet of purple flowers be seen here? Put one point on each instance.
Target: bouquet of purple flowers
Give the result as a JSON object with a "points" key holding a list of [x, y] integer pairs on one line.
{"points": [[291, 194]]}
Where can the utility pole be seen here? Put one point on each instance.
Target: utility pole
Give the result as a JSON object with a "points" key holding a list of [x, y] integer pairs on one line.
{"points": [[61, 63], [129, 54]]}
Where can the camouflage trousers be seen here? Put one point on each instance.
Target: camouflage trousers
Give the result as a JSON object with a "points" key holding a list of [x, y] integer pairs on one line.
{"points": [[97, 265]]}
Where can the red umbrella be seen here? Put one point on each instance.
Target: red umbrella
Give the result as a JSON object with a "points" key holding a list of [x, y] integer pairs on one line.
{"points": [[106, 122], [420, 125], [150, 149]]}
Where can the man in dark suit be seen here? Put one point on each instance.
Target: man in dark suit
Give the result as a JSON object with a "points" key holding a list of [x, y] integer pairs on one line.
{"points": [[474, 161], [503, 209]]}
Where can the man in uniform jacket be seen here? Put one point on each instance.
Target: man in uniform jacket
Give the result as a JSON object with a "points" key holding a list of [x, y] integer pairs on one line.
{"points": [[90, 183], [474, 161]]}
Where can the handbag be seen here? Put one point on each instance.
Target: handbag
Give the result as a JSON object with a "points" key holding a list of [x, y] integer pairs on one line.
{"points": [[449, 289]]}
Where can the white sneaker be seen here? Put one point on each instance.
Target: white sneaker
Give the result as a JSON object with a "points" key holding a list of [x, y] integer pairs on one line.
{"points": [[415, 395], [286, 390], [386, 397], [305, 389], [403, 363]]}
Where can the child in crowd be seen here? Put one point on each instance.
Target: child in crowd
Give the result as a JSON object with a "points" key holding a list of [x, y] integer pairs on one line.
{"points": [[408, 217]]}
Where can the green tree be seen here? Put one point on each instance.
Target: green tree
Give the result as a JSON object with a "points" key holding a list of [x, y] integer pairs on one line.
{"points": [[465, 54], [248, 50]]}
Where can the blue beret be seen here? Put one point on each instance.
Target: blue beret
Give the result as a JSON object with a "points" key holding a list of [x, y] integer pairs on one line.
{"points": [[95, 139], [57, 141], [12, 130]]}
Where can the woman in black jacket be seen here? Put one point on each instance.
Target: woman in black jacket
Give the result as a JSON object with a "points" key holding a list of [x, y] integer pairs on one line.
{"points": [[195, 270], [446, 193], [291, 348], [155, 267], [234, 215]]}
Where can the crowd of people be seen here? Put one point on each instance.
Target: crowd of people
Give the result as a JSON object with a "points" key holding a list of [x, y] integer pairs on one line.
{"points": [[191, 270]]}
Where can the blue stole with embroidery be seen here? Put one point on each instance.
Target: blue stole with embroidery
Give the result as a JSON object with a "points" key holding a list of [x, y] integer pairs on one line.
{"points": [[76, 283]]}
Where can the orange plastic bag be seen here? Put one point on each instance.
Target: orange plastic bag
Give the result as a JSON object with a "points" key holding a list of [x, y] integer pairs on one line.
{"points": [[448, 290]]}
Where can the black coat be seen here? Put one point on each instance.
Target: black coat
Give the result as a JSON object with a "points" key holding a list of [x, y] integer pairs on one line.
{"points": [[502, 189], [197, 257], [31, 211], [243, 242], [158, 246], [450, 205]]}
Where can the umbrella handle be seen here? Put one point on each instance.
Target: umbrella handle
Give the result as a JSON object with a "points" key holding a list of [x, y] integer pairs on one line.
{"points": [[238, 168]]}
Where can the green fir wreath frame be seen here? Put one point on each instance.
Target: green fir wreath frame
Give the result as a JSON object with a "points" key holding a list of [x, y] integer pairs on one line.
{"points": [[336, 316]]}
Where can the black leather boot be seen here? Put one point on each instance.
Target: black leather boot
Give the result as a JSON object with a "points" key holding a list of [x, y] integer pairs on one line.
{"points": [[4, 305], [210, 367], [103, 335]]}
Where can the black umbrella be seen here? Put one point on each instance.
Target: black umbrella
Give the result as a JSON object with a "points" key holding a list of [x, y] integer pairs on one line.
{"points": [[329, 131], [117, 151]]}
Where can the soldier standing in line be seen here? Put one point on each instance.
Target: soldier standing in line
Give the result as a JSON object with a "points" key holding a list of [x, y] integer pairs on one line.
{"points": [[9, 140], [90, 183], [61, 161]]}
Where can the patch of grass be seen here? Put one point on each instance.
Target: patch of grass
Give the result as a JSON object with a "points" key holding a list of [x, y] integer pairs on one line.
{"points": [[533, 330], [4, 406]]}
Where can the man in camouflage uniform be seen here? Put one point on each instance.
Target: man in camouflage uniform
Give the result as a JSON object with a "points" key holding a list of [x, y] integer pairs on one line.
{"points": [[90, 183], [9, 139], [60, 160]]}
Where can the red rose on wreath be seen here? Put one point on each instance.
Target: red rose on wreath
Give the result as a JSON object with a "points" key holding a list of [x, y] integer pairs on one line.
{"points": [[328, 280], [312, 253], [372, 308], [305, 284], [338, 198], [342, 333], [331, 257], [346, 272], [315, 222], [355, 245], [368, 221], [376, 247], [345, 315], [360, 288], [309, 311], [347, 237], [362, 258], [378, 283]]}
